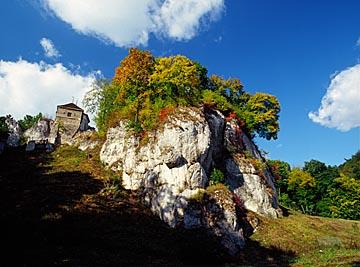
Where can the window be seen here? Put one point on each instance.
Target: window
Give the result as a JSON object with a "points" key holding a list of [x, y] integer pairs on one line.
{"points": [[69, 114]]}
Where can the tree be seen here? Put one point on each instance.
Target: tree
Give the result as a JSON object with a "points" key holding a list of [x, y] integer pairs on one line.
{"points": [[300, 178], [134, 70], [231, 88], [351, 167], [314, 167], [178, 77], [29, 121], [4, 130], [302, 190], [101, 101], [132, 79], [144, 89], [345, 198], [261, 115], [281, 171]]}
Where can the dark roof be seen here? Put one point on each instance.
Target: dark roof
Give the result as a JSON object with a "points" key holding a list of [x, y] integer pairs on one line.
{"points": [[70, 106]]}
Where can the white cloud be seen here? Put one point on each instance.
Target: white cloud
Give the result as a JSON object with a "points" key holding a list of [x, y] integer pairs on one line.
{"points": [[30, 88], [181, 19], [49, 48], [340, 107], [128, 23], [358, 42]]}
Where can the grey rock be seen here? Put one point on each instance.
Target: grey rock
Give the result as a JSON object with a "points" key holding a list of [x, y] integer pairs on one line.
{"points": [[39, 132], [171, 168], [15, 132], [30, 146]]}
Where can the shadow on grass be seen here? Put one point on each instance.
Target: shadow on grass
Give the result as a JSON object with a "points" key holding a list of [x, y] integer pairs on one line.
{"points": [[62, 219]]}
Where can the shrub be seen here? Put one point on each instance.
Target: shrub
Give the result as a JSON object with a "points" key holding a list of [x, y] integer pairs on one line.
{"points": [[217, 177], [29, 121]]}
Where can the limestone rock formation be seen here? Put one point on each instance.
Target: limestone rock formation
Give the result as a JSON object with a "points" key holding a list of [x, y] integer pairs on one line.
{"points": [[47, 131], [173, 166], [39, 132], [15, 132]]}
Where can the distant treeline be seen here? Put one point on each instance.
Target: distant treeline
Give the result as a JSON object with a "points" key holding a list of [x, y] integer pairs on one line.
{"points": [[318, 189]]}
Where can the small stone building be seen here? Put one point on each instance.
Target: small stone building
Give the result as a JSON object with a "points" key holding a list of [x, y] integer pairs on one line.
{"points": [[71, 119]]}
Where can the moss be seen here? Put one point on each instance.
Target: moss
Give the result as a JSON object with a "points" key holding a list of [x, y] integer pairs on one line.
{"points": [[217, 187], [199, 196]]}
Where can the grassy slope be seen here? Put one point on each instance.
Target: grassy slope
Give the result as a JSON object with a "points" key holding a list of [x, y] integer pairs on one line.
{"points": [[65, 209], [315, 241]]}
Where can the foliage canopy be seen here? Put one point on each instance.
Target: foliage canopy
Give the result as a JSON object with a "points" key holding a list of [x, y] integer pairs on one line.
{"points": [[319, 189], [144, 88]]}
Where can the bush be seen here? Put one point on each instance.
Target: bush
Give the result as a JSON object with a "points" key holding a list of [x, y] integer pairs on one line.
{"points": [[29, 121], [217, 177]]}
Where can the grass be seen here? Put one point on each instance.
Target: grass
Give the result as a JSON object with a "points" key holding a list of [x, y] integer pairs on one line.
{"points": [[316, 241], [65, 209], [294, 240]]}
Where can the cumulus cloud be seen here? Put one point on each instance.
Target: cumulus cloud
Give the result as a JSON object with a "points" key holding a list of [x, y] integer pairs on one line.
{"points": [[49, 48], [30, 88], [340, 107], [181, 19], [129, 23]]}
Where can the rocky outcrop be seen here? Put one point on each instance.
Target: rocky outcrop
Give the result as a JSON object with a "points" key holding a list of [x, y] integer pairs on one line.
{"points": [[173, 165], [14, 132], [85, 140], [40, 132], [47, 131], [247, 174]]}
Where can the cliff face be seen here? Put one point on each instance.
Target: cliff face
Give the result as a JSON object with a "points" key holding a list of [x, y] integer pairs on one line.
{"points": [[172, 168]]}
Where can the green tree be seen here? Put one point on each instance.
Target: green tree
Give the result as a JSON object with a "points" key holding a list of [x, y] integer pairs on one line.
{"points": [[261, 115], [281, 171], [232, 88], [101, 101], [4, 130], [345, 198], [178, 78], [302, 190], [351, 167], [29, 121]]}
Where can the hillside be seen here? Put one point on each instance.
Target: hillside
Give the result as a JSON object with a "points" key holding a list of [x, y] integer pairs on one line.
{"points": [[64, 209]]}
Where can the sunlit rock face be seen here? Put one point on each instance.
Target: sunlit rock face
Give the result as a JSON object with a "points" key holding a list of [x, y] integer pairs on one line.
{"points": [[39, 132], [15, 132], [174, 164]]}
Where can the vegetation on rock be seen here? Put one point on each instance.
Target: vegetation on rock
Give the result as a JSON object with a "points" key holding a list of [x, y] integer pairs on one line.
{"points": [[144, 86], [29, 121]]}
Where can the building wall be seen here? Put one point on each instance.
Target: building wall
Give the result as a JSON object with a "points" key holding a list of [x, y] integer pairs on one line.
{"points": [[69, 119]]}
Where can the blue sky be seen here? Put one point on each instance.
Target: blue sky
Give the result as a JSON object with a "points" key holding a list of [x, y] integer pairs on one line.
{"points": [[299, 51]]}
